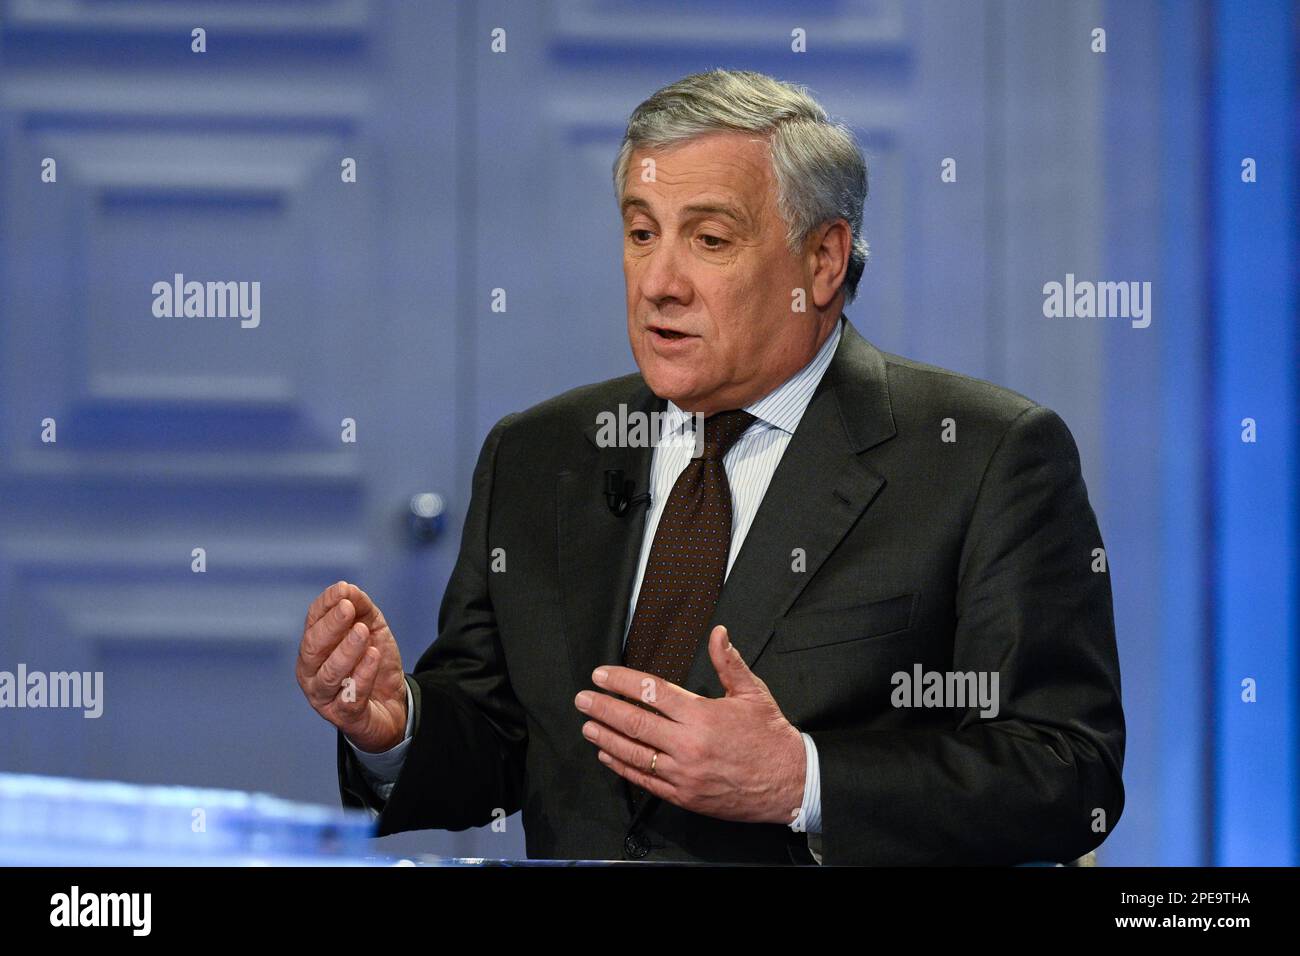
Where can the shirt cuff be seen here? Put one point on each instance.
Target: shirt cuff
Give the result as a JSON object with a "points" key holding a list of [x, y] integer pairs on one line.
{"points": [[809, 819], [384, 767]]}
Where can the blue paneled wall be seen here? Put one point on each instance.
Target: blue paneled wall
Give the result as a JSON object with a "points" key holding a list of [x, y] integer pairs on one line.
{"points": [[482, 178]]}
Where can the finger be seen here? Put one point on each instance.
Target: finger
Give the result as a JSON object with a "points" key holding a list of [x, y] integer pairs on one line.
{"points": [[628, 751], [733, 673], [651, 784], [633, 722], [324, 601], [365, 607], [664, 696], [353, 705], [340, 663], [323, 637]]}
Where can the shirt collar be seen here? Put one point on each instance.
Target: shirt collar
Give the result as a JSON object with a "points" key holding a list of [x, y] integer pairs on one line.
{"points": [[783, 407]]}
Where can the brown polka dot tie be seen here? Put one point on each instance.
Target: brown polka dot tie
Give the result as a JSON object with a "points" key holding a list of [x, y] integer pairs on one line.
{"points": [[687, 563]]}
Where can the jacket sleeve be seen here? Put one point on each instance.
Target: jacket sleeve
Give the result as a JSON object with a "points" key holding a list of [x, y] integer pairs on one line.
{"points": [[465, 763], [1041, 780]]}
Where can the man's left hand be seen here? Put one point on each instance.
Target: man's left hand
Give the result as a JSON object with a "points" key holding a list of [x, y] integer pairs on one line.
{"points": [[734, 758]]}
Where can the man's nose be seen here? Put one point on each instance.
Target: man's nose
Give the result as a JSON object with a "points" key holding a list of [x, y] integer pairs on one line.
{"points": [[662, 276]]}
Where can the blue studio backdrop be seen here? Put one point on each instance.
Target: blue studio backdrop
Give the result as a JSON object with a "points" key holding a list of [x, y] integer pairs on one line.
{"points": [[201, 487]]}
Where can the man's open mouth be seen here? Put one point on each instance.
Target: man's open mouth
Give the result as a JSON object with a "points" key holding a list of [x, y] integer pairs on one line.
{"points": [[668, 333]]}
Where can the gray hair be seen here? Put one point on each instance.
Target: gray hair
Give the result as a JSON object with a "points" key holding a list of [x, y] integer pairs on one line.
{"points": [[819, 170]]}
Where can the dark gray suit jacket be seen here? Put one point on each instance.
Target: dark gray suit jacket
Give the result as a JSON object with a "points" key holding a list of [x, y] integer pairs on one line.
{"points": [[968, 555]]}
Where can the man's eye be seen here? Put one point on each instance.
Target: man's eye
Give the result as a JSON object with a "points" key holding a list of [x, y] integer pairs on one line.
{"points": [[639, 235], [713, 242]]}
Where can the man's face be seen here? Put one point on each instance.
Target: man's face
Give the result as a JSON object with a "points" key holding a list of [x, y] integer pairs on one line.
{"points": [[709, 275]]}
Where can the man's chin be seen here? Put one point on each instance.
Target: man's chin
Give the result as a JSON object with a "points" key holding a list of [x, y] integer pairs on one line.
{"points": [[669, 384]]}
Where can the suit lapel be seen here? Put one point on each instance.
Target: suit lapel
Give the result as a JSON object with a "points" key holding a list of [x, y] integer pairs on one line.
{"points": [[819, 490], [599, 551]]}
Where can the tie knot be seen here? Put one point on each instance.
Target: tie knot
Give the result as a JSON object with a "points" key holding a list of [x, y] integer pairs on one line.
{"points": [[723, 430]]}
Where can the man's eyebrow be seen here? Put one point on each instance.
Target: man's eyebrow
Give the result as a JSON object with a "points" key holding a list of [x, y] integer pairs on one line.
{"points": [[717, 209], [705, 208], [630, 201]]}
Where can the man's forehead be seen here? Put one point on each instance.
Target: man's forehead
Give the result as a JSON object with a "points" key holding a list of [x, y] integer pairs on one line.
{"points": [[722, 157], [713, 174]]}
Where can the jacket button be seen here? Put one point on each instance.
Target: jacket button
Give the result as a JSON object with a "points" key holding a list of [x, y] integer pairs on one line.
{"points": [[634, 847]]}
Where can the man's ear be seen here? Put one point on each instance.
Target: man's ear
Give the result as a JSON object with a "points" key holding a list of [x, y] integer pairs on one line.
{"points": [[829, 249]]}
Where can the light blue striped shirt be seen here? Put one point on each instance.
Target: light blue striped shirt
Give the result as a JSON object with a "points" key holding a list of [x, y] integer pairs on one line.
{"points": [[750, 464]]}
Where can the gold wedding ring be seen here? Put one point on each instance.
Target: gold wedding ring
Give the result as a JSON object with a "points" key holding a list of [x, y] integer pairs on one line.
{"points": [[654, 760]]}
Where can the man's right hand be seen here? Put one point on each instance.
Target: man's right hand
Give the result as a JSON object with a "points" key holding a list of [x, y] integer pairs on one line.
{"points": [[346, 637]]}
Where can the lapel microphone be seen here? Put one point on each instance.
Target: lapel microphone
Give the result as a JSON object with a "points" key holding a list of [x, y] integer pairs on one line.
{"points": [[618, 493]]}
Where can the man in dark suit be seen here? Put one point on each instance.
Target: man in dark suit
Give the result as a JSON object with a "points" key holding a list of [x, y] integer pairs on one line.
{"points": [[843, 607]]}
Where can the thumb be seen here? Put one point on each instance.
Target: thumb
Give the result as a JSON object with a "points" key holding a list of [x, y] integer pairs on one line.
{"points": [[733, 672]]}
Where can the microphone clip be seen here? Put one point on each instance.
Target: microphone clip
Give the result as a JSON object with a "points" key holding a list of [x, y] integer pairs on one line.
{"points": [[618, 492]]}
